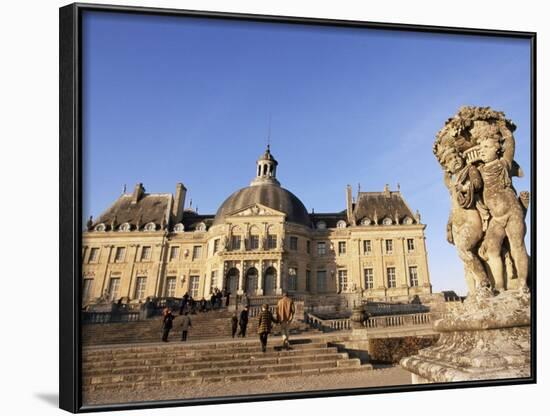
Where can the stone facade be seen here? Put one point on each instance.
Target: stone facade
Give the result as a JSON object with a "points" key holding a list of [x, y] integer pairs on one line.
{"points": [[262, 241]]}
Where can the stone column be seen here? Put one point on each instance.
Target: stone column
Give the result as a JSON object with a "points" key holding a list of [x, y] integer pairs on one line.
{"points": [[260, 290], [278, 289], [240, 291]]}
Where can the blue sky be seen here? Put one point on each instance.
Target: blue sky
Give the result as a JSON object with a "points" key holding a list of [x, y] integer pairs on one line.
{"points": [[169, 99]]}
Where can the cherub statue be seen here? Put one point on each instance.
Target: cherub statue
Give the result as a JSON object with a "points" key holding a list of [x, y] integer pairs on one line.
{"points": [[476, 149], [465, 225]]}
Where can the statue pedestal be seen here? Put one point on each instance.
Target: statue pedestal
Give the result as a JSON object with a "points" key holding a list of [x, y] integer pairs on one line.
{"points": [[485, 338]]}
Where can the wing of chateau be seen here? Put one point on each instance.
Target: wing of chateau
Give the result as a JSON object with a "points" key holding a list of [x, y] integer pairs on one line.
{"points": [[262, 241]]}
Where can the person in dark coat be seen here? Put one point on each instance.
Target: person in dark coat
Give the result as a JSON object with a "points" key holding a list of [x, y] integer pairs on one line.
{"points": [[185, 325], [202, 305], [243, 322], [213, 301], [234, 324], [227, 295], [167, 320], [264, 325], [184, 301]]}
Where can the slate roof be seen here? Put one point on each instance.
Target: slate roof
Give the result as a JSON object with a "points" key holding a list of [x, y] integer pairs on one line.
{"points": [[330, 218], [191, 220], [270, 195], [149, 208], [380, 205]]}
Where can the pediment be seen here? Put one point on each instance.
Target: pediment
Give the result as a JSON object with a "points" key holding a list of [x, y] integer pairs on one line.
{"points": [[257, 210]]}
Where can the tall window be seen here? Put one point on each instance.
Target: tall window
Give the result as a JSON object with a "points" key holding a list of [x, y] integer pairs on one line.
{"points": [[114, 286], [367, 247], [119, 254], [413, 276], [271, 241], [341, 248], [194, 286], [321, 248], [197, 251], [235, 242], [369, 278], [87, 288], [174, 253], [170, 291], [216, 245], [141, 283], [308, 246], [213, 280], [321, 280], [410, 244], [254, 242], [389, 246], [94, 255], [391, 276], [292, 278], [145, 253], [294, 243], [343, 280], [308, 280]]}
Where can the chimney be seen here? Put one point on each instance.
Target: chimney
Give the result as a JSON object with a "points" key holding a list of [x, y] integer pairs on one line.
{"points": [[139, 190], [179, 202], [349, 206], [387, 191]]}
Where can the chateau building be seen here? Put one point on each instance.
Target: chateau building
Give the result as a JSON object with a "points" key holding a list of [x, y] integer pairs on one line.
{"points": [[261, 241]]}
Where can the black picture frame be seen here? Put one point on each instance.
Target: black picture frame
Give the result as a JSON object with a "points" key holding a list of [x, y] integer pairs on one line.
{"points": [[70, 203]]}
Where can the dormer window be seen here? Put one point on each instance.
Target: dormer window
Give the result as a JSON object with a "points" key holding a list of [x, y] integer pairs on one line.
{"points": [[125, 227], [100, 227], [387, 221], [321, 225], [366, 221], [151, 226], [341, 224], [201, 226], [407, 220]]}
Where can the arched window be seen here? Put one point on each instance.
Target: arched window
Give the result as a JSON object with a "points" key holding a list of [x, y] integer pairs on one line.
{"points": [[178, 228], [100, 227], [387, 221], [125, 227], [151, 226], [201, 226], [341, 224], [408, 221], [321, 225], [366, 221]]}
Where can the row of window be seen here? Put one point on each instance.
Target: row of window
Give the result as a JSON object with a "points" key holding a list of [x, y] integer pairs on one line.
{"points": [[145, 255], [292, 282], [271, 241]]}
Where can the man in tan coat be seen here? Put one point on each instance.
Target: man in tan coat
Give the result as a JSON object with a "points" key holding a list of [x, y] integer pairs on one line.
{"points": [[285, 314]]}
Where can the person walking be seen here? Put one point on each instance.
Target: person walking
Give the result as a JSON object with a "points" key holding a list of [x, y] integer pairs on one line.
{"points": [[184, 301], [185, 325], [264, 325], [243, 322], [285, 314], [234, 324], [167, 320]]}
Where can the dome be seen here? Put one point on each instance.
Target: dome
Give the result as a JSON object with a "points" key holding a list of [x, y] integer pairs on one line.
{"points": [[270, 195]]}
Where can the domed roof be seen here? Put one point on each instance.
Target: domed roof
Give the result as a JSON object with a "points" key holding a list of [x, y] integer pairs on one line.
{"points": [[270, 195]]}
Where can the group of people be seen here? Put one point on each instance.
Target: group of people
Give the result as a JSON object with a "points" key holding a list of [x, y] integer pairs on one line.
{"points": [[284, 314], [189, 304]]}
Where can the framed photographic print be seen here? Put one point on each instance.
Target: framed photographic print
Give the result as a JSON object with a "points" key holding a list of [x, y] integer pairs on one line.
{"points": [[262, 207]]}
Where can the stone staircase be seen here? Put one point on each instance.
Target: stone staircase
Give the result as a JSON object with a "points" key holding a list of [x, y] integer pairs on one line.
{"points": [[208, 325], [167, 365]]}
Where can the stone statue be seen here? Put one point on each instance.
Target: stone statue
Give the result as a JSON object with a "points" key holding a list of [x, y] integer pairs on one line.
{"points": [[487, 219], [488, 336]]}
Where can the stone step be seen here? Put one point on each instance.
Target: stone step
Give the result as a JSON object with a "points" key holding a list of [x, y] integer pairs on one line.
{"points": [[177, 372], [188, 381], [222, 352], [166, 364]]}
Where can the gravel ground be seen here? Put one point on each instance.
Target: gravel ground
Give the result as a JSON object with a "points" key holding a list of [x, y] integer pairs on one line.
{"points": [[385, 376]]}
